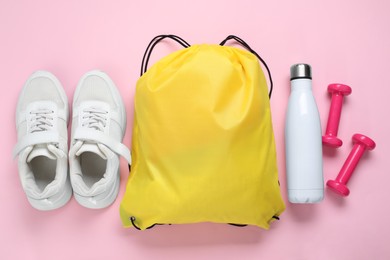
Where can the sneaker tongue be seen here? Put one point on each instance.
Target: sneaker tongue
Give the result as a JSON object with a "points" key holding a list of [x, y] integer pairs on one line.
{"points": [[93, 148], [40, 150]]}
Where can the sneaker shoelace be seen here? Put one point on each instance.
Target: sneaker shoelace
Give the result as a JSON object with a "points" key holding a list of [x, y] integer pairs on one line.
{"points": [[42, 120], [95, 118], [40, 131]]}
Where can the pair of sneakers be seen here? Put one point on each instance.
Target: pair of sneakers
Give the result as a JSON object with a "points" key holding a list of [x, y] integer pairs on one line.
{"points": [[98, 127]]}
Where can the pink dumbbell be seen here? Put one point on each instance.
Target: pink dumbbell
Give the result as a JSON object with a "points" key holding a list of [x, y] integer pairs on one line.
{"points": [[361, 144], [338, 92]]}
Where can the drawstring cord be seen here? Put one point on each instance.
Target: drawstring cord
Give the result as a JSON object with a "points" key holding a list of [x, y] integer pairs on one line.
{"points": [[182, 42], [153, 43], [133, 219], [246, 46]]}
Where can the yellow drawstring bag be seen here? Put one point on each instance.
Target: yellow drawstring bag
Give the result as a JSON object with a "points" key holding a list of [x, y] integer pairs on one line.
{"points": [[203, 145]]}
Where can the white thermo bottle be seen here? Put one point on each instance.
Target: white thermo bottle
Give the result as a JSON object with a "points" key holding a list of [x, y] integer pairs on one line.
{"points": [[305, 181]]}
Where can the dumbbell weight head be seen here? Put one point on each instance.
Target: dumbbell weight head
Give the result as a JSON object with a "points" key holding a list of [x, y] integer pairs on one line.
{"points": [[338, 187], [338, 91], [361, 144], [364, 140], [339, 88]]}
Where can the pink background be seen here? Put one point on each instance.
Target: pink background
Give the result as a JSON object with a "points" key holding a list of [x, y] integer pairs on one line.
{"points": [[344, 41]]}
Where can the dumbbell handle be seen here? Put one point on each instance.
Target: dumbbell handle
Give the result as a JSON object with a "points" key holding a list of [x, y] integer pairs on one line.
{"points": [[350, 164], [334, 114]]}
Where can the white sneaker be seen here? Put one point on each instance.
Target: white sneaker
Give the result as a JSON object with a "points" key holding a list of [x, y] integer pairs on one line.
{"points": [[41, 124], [98, 127]]}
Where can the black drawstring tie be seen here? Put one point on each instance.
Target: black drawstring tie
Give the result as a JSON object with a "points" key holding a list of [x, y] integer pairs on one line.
{"points": [[246, 46], [244, 225], [133, 219], [182, 42], [153, 43]]}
